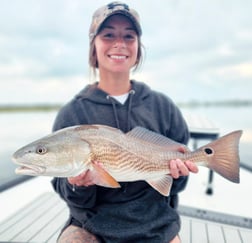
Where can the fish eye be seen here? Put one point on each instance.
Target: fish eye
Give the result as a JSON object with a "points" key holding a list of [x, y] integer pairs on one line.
{"points": [[208, 150], [41, 150]]}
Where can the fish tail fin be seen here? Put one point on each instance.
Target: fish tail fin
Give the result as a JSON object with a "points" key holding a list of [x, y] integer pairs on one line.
{"points": [[223, 156]]}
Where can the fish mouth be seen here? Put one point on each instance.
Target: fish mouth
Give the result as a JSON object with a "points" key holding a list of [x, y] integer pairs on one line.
{"points": [[28, 169]]}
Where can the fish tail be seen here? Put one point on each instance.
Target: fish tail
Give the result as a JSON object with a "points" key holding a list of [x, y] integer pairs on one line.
{"points": [[223, 156]]}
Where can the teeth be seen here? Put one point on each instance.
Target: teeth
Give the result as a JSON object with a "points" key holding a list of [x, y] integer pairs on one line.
{"points": [[118, 57]]}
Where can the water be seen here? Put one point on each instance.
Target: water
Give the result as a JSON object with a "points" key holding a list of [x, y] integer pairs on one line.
{"points": [[229, 119], [18, 129]]}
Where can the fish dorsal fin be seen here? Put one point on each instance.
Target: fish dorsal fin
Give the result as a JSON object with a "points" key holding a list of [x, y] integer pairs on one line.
{"points": [[162, 185], [155, 138]]}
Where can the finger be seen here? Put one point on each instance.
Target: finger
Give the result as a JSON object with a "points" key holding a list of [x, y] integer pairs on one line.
{"points": [[99, 164], [182, 168], [74, 180], [173, 169], [78, 180], [191, 166], [183, 149], [71, 180]]}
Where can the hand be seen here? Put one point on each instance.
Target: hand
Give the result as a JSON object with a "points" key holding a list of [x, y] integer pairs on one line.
{"points": [[179, 168], [84, 179]]}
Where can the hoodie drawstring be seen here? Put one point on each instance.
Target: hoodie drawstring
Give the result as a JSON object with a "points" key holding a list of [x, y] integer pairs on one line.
{"points": [[114, 111], [131, 93]]}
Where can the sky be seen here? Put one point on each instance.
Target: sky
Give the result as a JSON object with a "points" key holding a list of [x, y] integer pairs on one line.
{"points": [[197, 50]]}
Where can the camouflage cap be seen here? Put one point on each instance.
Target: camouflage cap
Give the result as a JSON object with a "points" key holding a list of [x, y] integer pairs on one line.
{"points": [[101, 14]]}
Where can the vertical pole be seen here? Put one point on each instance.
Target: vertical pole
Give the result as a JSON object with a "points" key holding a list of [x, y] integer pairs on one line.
{"points": [[209, 190]]}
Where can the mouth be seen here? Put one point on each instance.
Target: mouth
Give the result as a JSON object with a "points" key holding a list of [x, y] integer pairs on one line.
{"points": [[118, 57], [28, 169]]}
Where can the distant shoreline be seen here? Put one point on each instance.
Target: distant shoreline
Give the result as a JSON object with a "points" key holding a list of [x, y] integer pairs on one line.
{"points": [[219, 103], [29, 108], [55, 107]]}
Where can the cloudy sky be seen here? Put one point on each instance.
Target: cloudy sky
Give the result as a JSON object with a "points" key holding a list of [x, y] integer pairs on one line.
{"points": [[195, 49]]}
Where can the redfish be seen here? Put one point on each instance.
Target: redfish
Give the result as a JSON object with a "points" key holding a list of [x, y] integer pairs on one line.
{"points": [[122, 157]]}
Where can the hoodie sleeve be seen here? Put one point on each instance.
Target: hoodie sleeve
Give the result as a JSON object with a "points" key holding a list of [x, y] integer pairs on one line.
{"points": [[80, 197]]}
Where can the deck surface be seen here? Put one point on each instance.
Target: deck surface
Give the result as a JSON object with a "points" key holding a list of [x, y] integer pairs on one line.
{"points": [[42, 219]]}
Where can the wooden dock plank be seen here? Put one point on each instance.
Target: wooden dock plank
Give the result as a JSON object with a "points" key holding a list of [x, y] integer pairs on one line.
{"points": [[246, 236], [48, 216], [203, 231], [42, 220], [185, 231], [54, 237], [232, 235], [28, 219], [215, 233], [12, 220], [198, 232], [53, 228]]}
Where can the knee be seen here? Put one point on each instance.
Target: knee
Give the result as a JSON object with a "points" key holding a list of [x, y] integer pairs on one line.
{"points": [[76, 234]]}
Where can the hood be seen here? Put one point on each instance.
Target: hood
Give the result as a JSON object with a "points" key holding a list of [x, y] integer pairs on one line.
{"points": [[138, 93], [96, 95]]}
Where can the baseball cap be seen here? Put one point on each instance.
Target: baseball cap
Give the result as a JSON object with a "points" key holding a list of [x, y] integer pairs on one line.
{"points": [[104, 12]]}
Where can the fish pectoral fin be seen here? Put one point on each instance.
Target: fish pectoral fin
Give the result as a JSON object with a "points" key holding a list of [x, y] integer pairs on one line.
{"points": [[102, 178], [162, 185]]}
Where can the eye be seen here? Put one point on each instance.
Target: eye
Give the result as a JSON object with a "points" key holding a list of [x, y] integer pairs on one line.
{"points": [[41, 149], [129, 37], [108, 36]]}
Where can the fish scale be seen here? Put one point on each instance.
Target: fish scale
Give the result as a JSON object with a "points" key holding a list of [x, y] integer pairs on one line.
{"points": [[111, 158]]}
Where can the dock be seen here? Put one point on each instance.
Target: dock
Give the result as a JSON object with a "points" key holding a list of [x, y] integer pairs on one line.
{"points": [[41, 221]]}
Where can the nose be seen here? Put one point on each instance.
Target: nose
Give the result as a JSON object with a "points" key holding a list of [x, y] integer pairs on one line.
{"points": [[119, 42]]}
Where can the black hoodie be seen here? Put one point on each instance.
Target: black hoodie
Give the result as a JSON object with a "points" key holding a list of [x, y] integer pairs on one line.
{"points": [[135, 212]]}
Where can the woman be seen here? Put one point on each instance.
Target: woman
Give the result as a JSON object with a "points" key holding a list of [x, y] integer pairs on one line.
{"points": [[135, 212]]}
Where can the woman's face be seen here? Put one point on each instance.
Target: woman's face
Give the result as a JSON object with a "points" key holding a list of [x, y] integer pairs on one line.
{"points": [[116, 45]]}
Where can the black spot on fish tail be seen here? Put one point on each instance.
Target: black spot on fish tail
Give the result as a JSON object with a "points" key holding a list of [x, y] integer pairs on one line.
{"points": [[208, 151]]}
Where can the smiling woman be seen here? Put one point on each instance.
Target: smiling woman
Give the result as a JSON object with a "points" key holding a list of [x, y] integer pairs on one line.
{"points": [[121, 40], [116, 49], [117, 43]]}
